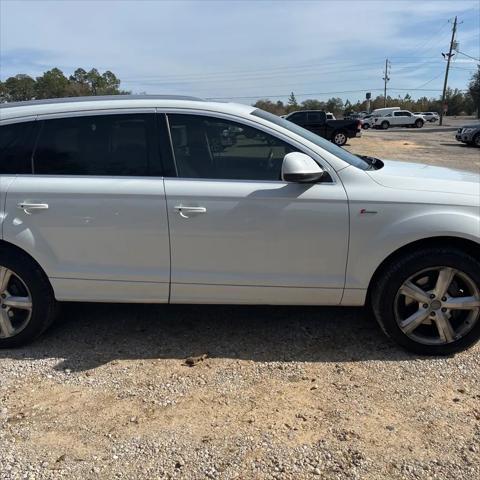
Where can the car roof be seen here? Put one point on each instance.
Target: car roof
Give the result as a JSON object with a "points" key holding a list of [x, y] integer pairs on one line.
{"points": [[109, 102]]}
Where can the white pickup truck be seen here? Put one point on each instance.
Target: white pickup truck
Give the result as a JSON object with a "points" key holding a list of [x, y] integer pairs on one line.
{"points": [[397, 118]]}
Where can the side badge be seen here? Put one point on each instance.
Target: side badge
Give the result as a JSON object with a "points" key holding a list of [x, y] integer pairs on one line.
{"points": [[364, 211]]}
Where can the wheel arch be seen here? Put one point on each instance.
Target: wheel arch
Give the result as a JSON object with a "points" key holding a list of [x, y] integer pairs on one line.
{"points": [[7, 246], [469, 246]]}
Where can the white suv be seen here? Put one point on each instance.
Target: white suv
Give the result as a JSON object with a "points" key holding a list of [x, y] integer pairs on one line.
{"points": [[177, 200], [398, 118]]}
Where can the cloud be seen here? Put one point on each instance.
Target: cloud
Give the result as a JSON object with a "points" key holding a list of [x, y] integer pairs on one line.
{"points": [[220, 49]]}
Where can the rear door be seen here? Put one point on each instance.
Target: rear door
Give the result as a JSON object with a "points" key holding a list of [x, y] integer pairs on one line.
{"points": [[92, 208], [16, 145]]}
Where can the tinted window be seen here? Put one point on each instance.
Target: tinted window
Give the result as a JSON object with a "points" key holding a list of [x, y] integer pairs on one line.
{"points": [[116, 145], [16, 148], [298, 118], [317, 117], [207, 147]]}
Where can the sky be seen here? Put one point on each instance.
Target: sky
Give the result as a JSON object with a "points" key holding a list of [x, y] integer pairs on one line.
{"points": [[246, 50]]}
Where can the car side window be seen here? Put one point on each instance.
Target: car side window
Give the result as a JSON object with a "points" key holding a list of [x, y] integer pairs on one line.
{"points": [[16, 148], [103, 145], [299, 118], [315, 117], [207, 147], [397, 114]]}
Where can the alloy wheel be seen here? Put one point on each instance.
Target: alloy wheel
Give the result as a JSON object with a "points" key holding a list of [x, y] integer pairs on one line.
{"points": [[437, 306], [340, 139], [15, 303]]}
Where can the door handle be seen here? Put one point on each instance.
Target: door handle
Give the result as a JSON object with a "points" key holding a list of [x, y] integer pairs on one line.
{"points": [[29, 208], [184, 210]]}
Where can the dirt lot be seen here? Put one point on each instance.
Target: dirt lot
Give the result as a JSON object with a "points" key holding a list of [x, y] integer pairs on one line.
{"points": [[427, 145], [286, 393]]}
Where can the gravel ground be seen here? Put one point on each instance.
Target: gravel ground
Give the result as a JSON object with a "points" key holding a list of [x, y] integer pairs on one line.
{"points": [[273, 393], [425, 145]]}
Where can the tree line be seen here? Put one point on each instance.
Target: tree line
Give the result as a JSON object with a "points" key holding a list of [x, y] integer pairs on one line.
{"points": [[459, 102], [54, 84]]}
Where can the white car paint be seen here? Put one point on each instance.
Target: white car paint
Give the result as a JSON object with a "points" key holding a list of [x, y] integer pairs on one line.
{"points": [[398, 118], [273, 242]]}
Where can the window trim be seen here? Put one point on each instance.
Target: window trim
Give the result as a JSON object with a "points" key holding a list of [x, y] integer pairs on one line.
{"points": [[250, 123]]}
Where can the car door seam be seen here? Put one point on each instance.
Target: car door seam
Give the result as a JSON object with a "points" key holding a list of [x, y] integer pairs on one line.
{"points": [[169, 241]]}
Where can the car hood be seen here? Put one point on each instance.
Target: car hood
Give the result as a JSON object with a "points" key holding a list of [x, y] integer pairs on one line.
{"points": [[418, 176]]}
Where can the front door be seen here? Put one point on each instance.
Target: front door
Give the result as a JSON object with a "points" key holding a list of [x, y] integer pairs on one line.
{"points": [[239, 234], [91, 212]]}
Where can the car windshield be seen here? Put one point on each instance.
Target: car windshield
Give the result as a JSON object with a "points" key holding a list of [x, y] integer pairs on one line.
{"points": [[316, 139]]}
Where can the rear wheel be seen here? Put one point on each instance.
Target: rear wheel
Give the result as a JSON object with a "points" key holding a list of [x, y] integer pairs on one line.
{"points": [[340, 138], [27, 305], [476, 140], [429, 301], [385, 125]]}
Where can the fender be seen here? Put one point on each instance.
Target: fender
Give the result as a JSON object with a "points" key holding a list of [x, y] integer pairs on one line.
{"points": [[372, 241]]}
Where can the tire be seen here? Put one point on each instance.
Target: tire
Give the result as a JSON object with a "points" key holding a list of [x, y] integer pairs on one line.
{"points": [[476, 140], [419, 123], [366, 126], [21, 277], [393, 309], [385, 125], [339, 138]]}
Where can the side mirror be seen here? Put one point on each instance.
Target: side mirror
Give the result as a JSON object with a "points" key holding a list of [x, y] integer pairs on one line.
{"points": [[298, 167]]}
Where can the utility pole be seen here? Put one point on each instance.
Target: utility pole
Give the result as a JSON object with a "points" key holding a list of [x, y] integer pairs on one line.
{"points": [[386, 78], [448, 56]]}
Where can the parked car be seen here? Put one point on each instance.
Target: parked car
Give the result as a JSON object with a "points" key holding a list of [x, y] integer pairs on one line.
{"points": [[379, 112], [330, 116], [124, 199], [353, 116], [398, 118], [367, 121], [469, 134], [338, 131], [431, 116]]}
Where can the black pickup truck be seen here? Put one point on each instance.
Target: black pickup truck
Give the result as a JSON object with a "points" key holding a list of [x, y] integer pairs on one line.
{"points": [[338, 131]]}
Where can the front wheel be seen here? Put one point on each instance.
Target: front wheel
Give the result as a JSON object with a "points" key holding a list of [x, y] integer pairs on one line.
{"points": [[340, 138], [366, 126], [429, 301], [385, 125], [27, 304], [419, 123]]}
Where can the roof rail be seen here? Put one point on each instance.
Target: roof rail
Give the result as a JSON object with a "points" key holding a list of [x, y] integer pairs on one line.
{"points": [[93, 98]]}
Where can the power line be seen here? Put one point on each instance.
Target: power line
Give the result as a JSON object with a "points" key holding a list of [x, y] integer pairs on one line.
{"points": [[431, 80], [326, 93], [469, 56]]}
